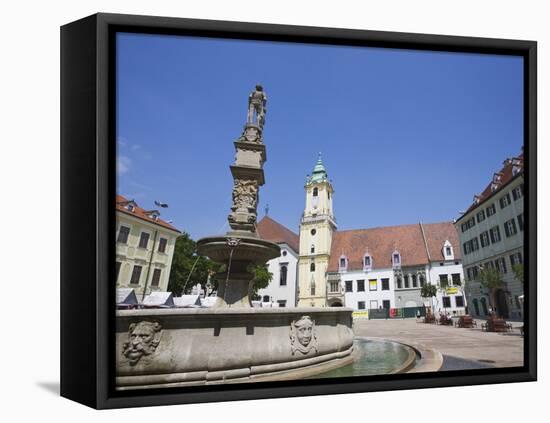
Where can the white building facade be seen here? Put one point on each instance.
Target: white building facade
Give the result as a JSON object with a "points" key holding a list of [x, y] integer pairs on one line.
{"points": [[282, 290], [492, 236]]}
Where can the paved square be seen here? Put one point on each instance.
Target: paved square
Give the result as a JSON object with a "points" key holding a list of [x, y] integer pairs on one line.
{"points": [[496, 349]]}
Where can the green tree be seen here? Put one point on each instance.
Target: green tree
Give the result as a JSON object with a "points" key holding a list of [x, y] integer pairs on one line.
{"points": [[262, 277], [188, 268], [491, 279], [429, 291], [518, 272]]}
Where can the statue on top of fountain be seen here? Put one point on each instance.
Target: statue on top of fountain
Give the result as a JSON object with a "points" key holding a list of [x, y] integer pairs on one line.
{"points": [[255, 119], [257, 101]]}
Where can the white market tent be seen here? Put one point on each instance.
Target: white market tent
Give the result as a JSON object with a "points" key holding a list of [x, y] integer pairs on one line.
{"points": [[126, 297], [159, 299], [187, 301]]}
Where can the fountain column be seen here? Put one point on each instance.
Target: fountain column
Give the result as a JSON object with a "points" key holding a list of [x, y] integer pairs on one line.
{"points": [[241, 247]]}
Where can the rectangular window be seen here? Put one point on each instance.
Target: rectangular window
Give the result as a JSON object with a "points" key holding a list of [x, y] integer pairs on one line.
{"points": [[464, 227], [367, 261], [480, 216], [373, 285], [520, 221], [459, 301], [123, 233], [517, 192], [443, 281], [349, 286], [494, 232], [504, 201], [312, 290], [143, 240], [466, 247], [446, 302], [360, 305], [117, 270], [373, 304], [386, 304], [475, 244], [156, 277], [136, 274], [501, 264], [162, 245], [385, 284], [334, 287], [282, 303], [484, 237], [491, 210], [510, 227], [360, 286], [455, 277], [469, 273], [516, 259]]}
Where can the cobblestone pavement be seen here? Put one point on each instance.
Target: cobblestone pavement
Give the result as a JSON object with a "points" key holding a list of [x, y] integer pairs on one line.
{"points": [[459, 346]]}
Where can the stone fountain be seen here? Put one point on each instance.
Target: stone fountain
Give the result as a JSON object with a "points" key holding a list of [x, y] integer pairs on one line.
{"points": [[232, 341]]}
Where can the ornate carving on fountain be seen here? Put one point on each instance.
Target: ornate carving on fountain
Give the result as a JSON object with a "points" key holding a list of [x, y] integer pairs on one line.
{"points": [[143, 340], [303, 336], [248, 174]]}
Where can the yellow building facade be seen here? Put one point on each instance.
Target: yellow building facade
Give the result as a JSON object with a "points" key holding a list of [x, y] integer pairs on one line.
{"points": [[144, 249], [316, 228]]}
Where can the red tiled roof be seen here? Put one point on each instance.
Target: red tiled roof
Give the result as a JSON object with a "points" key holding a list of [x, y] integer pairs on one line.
{"points": [[140, 213], [273, 231], [436, 234], [506, 175], [380, 243]]}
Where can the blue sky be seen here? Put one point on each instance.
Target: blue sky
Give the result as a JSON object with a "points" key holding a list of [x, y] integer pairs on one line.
{"points": [[406, 136]]}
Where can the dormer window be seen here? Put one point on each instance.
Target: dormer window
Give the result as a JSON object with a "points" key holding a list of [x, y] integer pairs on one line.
{"points": [[343, 263], [396, 259], [131, 206], [448, 253], [153, 214], [367, 262]]}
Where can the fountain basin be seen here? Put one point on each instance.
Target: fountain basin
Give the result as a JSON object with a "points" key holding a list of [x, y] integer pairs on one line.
{"points": [[179, 347]]}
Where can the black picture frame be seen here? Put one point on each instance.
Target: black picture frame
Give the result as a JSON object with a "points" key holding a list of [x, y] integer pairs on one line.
{"points": [[88, 218]]}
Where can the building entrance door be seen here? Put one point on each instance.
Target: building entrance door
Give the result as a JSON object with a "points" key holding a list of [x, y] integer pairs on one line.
{"points": [[502, 304]]}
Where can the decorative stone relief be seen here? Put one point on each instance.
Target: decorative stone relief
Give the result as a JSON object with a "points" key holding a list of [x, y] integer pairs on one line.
{"points": [[245, 194], [143, 340], [303, 336]]}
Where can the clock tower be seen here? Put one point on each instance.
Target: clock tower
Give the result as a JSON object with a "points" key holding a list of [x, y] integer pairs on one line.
{"points": [[316, 228]]}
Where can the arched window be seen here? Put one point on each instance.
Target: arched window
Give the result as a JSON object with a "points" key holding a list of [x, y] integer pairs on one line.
{"points": [[476, 306], [315, 192], [484, 306], [312, 249], [406, 277], [399, 283], [282, 277], [422, 280], [312, 267], [414, 281]]}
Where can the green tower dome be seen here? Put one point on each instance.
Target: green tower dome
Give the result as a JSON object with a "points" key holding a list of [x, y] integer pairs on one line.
{"points": [[319, 172]]}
